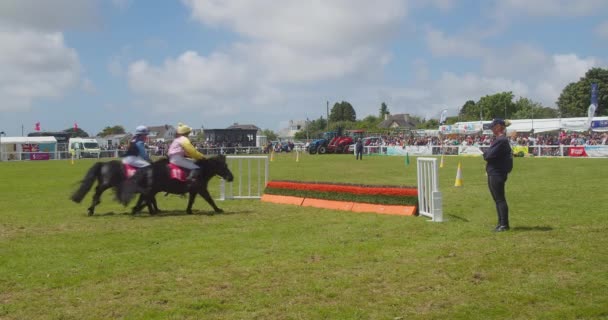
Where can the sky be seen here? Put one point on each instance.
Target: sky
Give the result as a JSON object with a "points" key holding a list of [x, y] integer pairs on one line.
{"points": [[213, 63]]}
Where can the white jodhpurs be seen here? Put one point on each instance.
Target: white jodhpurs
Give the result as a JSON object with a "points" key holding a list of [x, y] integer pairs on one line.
{"points": [[135, 161], [183, 162]]}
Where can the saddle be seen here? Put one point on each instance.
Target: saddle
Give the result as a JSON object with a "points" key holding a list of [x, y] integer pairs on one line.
{"points": [[178, 173], [129, 170], [175, 172]]}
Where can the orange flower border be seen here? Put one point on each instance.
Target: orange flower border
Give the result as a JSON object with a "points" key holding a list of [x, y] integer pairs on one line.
{"points": [[344, 188]]}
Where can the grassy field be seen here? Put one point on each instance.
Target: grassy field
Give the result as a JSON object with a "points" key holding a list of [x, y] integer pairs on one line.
{"points": [[268, 261]]}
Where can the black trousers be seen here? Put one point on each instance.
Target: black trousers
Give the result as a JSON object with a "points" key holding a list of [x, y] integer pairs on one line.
{"points": [[359, 155], [497, 189]]}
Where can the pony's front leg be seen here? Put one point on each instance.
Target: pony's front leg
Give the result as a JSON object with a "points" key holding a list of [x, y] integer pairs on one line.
{"points": [[205, 194], [150, 202], [154, 204], [191, 198], [139, 205]]}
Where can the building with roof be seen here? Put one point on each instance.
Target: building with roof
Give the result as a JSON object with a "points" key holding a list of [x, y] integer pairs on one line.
{"points": [[164, 133], [244, 135], [402, 121]]}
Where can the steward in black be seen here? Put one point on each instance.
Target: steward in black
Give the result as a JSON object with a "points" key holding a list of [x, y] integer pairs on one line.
{"points": [[499, 158]]}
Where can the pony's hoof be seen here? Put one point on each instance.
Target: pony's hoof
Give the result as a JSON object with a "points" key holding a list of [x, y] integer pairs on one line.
{"points": [[90, 212], [218, 210], [189, 211]]}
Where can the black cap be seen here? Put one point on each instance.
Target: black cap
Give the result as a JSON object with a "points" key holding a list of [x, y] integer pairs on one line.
{"points": [[497, 121]]}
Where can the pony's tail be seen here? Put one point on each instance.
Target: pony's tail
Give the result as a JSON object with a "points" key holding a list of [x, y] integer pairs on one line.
{"points": [[87, 182]]}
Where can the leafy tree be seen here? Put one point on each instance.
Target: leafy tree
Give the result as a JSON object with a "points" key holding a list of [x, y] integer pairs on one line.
{"points": [[576, 96], [369, 123], [78, 133], [528, 109], [428, 124], [270, 135], [383, 110], [342, 111], [111, 130], [469, 111], [498, 105]]}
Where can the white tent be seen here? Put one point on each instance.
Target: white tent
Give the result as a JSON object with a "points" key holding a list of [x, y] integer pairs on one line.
{"points": [[598, 124], [13, 147]]}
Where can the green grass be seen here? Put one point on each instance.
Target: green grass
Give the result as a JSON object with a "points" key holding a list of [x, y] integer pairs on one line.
{"points": [[268, 261]]}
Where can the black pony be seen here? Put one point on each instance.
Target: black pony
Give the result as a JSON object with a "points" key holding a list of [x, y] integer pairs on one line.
{"points": [[162, 182], [108, 175]]}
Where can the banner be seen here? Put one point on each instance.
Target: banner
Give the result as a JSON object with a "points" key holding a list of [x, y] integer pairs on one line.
{"points": [[590, 113], [597, 151], [40, 156], [444, 115], [413, 150], [594, 94], [577, 152]]}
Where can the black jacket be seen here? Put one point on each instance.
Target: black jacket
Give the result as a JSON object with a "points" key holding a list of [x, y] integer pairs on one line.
{"points": [[499, 157]]}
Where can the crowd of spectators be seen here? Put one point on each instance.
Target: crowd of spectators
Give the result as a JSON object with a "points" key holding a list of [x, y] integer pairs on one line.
{"points": [[523, 139]]}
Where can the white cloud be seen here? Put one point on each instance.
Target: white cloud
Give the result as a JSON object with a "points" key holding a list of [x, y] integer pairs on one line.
{"points": [[295, 43], [53, 15], [191, 81], [602, 30], [323, 25], [515, 61], [454, 46], [562, 70], [35, 65]]}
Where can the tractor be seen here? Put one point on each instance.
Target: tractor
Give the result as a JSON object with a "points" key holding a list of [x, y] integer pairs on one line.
{"points": [[320, 145]]}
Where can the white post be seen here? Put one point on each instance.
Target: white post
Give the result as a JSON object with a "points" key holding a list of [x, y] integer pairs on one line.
{"points": [[429, 196]]}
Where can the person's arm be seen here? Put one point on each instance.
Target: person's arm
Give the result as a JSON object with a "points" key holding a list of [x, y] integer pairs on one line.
{"points": [[499, 149], [141, 148], [191, 151]]}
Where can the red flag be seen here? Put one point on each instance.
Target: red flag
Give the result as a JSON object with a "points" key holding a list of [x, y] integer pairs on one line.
{"points": [[75, 126], [37, 126]]}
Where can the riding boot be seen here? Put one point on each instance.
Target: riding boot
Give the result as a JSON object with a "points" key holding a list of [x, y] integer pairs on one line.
{"points": [[192, 177], [503, 218]]}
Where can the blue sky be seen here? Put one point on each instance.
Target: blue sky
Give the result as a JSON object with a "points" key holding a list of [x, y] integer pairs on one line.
{"points": [[212, 63]]}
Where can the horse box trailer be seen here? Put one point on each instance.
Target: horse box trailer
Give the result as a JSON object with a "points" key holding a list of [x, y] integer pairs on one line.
{"points": [[84, 147]]}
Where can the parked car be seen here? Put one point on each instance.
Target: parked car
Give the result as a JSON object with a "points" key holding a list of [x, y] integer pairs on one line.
{"points": [[367, 141]]}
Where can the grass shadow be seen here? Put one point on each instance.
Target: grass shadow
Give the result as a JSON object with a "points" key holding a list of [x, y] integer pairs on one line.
{"points": [[534, 228], [173, 213], [455, 217], [108, 214]]}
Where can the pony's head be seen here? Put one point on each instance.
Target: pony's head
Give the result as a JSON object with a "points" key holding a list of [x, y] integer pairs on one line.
{"points": [[216, 165]]}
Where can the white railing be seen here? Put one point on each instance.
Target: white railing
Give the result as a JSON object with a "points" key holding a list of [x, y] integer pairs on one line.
{"points": [[248, 173], [593, 151]]}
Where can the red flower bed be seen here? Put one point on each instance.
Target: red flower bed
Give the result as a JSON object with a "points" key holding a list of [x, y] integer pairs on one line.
{"points": [[341, 188]]}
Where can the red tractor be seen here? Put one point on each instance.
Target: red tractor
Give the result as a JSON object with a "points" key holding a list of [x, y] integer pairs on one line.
{"points": [[340, 143]]}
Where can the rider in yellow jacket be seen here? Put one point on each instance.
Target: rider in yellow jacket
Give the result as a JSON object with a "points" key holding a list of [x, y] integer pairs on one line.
{"points": [[182, 153]]}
